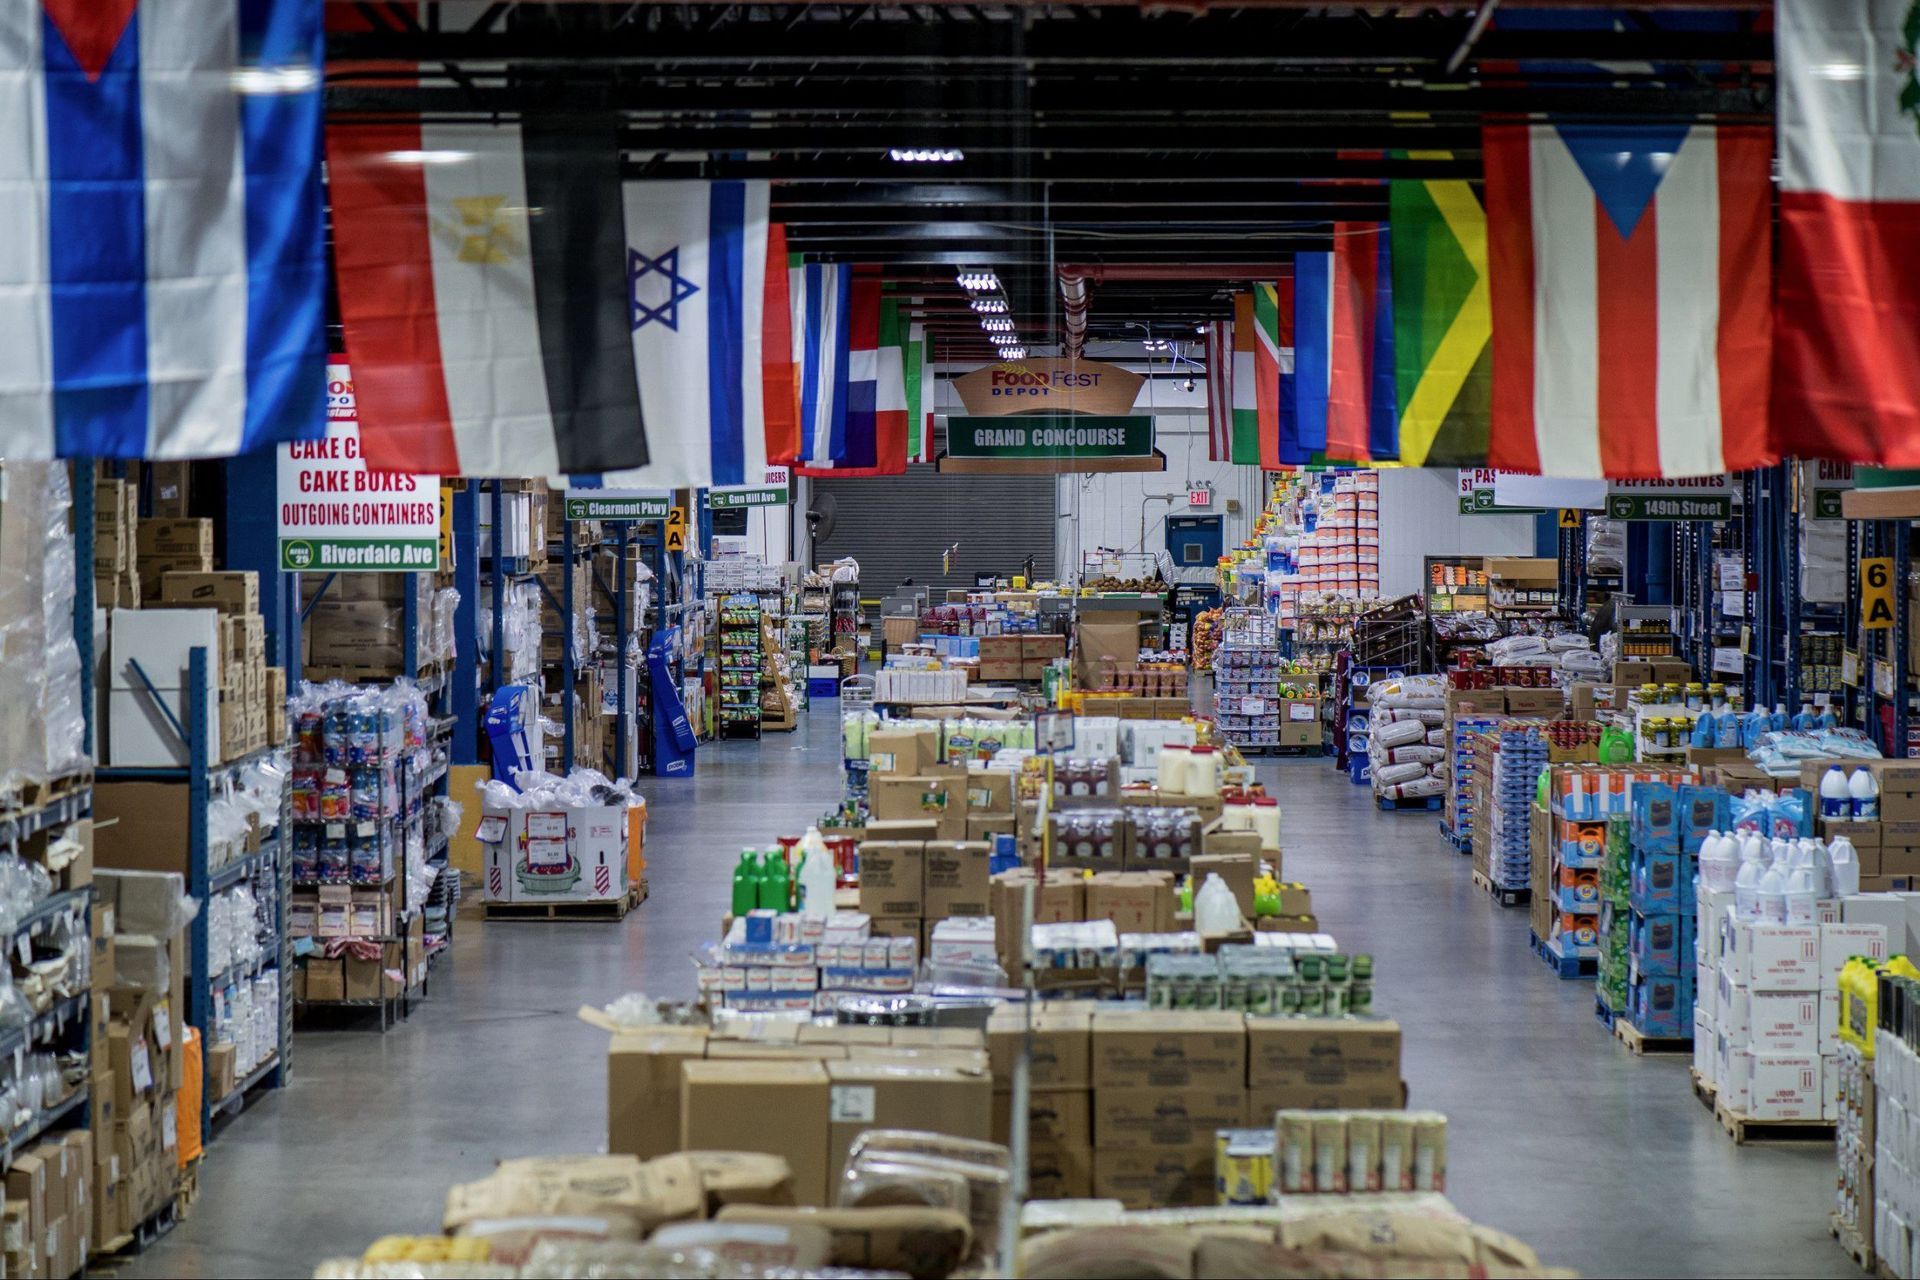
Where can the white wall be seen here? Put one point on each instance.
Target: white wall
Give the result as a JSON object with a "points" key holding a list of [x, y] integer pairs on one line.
{"points": [[1420, 517]]}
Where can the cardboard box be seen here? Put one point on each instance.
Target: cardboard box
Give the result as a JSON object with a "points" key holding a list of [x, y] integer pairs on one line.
{"points": [[233, 592], [1055, 1117], [326, 981], [892, 878], [1535, 702], [899, 752], [990, 791], [1142, 1118], [984, 827], [1169, 1050], [1103, 636], [27, 1185], [865, 1095], [1218, 840], [1056, 1171], [1136, 901], [1154, 1178], [771, 1105], [1062, 1047], [643, 1088], [365, 635], [916, 830], [956, 879], [1322, 1053], [220, 1070], [922, 797]]}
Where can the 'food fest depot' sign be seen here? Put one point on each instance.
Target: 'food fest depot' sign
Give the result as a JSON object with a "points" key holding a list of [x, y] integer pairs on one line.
{"points": [[336, 516], [1048, 385]]}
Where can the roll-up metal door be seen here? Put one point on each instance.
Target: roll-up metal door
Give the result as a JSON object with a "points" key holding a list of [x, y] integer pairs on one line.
{"points": [[898, 527]]}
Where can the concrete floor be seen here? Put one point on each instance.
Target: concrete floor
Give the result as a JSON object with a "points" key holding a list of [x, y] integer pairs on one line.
{"points": [[1603, 1162]]}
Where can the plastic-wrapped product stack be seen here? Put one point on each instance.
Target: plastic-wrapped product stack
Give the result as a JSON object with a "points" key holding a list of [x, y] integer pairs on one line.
{"points": [[1407, 743], [1516, 774]]}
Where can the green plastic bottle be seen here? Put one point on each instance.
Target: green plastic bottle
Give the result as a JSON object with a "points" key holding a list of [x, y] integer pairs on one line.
{"points": [[1186, 895], [746, 884], [776, 890]]}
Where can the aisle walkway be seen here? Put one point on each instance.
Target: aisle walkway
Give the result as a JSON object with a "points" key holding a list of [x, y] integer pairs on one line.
{"points": [[1604, 1162]]}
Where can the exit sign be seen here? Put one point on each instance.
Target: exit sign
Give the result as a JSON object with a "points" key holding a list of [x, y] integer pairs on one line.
{"points": [[1200, 496]]}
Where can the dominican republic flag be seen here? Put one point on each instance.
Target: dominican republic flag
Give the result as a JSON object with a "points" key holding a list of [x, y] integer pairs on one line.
{"points": [[1629, 269], [162, 252], [1846, 371], [481, 281], [697, 271], [822, 299], [1219, 357], [875, 440], [1345, 405]]}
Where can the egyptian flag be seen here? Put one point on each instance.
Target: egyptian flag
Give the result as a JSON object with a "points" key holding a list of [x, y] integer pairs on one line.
{"points": [[483, 287]]}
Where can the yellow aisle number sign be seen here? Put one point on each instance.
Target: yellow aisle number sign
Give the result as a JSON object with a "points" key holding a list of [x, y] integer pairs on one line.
{"points": [[1569, 517], [1876, 593], [677, 529]]}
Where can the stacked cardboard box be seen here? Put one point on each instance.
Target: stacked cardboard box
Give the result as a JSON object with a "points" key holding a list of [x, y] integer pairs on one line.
{"points": [[235, 595], [164, 546], [1888, 845], [116, 562], [50, 1213], [141, 1066], [804, 1096], [1125, 1105]]}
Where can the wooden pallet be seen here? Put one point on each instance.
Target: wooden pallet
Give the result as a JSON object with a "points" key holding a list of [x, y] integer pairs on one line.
{"points": [[1567, 967], [1704, 1089], [1505, 897], [1744, 1129], [143, 1236], [604, 912], [1859, 1250], [1641, 1043], [32, 794]]}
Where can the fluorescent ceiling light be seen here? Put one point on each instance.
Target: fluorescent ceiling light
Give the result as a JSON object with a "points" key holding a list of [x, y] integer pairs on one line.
{"points": [[1013, 353], [978, 281], [926, 155], [997, 324], [990, 306]]}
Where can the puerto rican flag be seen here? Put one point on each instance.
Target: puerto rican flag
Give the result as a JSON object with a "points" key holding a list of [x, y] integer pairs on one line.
{"points": [[1629, 270], [1846, 373], [162, 258]]}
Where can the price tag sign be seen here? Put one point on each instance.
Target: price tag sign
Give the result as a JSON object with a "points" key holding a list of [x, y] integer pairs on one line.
{"points": [[1252, 706], [493, 829], [1850, 669], [162, 1027], [1883, 677], [142, 1067], [1053, 731]]}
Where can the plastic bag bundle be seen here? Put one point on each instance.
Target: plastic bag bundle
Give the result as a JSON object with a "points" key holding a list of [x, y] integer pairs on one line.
{"points": [[1417, 789]]}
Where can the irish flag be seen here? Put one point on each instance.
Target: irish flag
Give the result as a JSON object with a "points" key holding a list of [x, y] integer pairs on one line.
{"points": [[1846, 320]]}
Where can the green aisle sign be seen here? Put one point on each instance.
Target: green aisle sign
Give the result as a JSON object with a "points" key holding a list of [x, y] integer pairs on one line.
{"points": [[615, 504], [1654, 506], [732, 498], [1051, 435]]}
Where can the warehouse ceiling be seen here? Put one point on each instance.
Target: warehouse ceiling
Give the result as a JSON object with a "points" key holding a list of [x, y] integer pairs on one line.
{"points": [[1198, 145]]}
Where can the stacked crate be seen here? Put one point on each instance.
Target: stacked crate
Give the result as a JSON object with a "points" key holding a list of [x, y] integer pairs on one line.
{"points": [[116, 575], [164, 546]]}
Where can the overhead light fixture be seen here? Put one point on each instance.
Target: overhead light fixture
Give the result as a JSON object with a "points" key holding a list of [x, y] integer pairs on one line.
{"points": [[979, 281], [263, 81], [1200, 329], [926, 155], [1013, 353], [1156, 344], [1840, 70], [997, 324], [990, 306]]}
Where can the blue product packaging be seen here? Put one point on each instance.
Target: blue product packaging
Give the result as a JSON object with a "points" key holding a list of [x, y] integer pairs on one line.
{"points": [[1657, 882], [1656, 818]]}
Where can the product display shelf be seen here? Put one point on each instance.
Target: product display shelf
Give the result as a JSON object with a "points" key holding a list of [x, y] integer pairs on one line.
{"points": [[265, 866], [738, 665], [406, 824], [1246, 680]]}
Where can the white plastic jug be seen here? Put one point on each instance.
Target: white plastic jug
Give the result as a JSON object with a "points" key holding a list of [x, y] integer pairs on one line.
{"points": [[1718, 862], [1846, 867], [1215, 910], [1863, 794], [1836, 800], [1770, 899], [1801, 896]]}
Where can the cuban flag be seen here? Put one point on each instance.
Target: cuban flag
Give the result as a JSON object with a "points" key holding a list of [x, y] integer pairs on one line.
{"points": [[162, 257], [1629, 269]]}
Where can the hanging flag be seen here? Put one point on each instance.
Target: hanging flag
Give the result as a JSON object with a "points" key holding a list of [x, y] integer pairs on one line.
{"points": [[1219, 357], [1846, 371], [822, 305], [1268, 363], [876, 430], [1628, 269], [1246, 383], [162, 247], [1442, 322], [1344, 397], [920, 388], [780, 372], [485, 341]]}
